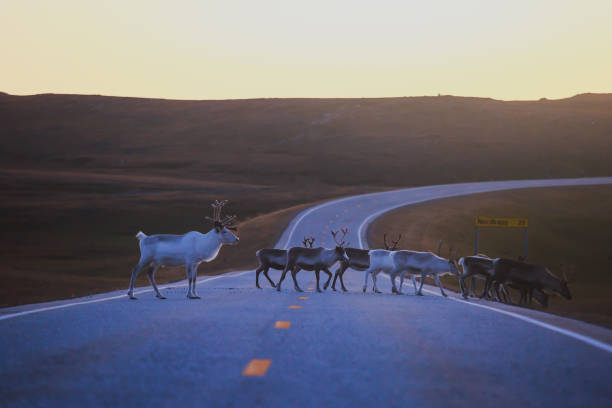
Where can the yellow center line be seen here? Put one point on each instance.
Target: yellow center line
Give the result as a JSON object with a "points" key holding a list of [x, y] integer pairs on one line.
{"points": [[282, 325], [294, 307], [303, 298], [256, 368]]}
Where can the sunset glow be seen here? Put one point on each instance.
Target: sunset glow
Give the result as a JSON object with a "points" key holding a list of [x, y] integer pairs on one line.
{"points": [[250, 49]]}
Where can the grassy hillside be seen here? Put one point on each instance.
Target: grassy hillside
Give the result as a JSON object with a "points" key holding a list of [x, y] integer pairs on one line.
{"points": [[381, 142], [571, 226]]}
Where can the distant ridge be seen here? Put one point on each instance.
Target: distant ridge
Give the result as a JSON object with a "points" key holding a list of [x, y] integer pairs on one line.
{"points": [[587, 95], [389, 142]]}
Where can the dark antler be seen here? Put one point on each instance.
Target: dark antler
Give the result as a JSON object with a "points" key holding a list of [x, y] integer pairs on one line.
{"points": [[335, 233], [308, 242], [396, 242]]}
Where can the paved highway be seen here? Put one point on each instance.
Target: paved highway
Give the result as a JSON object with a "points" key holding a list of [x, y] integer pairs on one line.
{"points": [[339, 349]]}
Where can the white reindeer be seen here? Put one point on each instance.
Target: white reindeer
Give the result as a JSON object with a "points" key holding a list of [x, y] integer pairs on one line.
{"points": [[189, 249], [423, 263]]}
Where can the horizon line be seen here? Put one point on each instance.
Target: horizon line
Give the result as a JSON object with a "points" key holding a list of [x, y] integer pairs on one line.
{"points": [[309, 97]]}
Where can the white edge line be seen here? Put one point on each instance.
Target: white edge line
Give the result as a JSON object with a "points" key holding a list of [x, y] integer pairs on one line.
{"points": [[577, 336], [66, 305]]}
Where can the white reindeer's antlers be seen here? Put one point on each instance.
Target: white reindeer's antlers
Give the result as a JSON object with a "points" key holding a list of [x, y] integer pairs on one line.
{"points": [[229, 221]]}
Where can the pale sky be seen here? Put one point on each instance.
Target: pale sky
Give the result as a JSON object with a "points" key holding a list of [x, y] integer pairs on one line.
{"points": [[185, 49]]}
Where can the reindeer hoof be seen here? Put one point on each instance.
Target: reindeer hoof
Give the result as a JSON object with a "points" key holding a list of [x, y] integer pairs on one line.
{"points": [[161, 297], [419, 294], [319, 290], [364, 290], [377, 291], [258, 287], [132, 297]]}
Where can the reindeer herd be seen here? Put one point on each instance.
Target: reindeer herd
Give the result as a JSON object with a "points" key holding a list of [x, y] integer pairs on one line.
{"points": [[499, 274], [532, 281]]}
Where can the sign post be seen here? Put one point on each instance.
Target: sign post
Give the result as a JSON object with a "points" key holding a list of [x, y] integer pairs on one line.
{"points": [[501, 223]]}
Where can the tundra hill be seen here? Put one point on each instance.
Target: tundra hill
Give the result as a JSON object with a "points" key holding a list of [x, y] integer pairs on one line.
{"points": [[349, 142]]}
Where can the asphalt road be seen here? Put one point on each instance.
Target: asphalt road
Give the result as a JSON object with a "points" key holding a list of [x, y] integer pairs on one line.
{"points": [[341, 349]]}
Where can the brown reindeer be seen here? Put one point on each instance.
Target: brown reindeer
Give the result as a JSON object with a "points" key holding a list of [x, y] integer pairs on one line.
{"points": [[314, 259]]}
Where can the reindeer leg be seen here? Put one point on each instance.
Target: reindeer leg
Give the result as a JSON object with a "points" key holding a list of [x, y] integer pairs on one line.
{"points": [[420, 291], [435, 275], [317, 276], [413, 282], [402, 275], [393, 274], [257, 272], [487, 286], [141, 265], [294, 272], [365, 284], [151, 275], [505, 294], [342, 280], [194, 274], [282, 278], [336, 274], [188, 272], [472, 286], [329, 275], [191, 292], [464, 290], [374, 277], [268, 277]]}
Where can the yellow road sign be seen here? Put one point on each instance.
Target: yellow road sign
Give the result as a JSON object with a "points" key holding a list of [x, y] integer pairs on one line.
{"points": [[501, 222]]}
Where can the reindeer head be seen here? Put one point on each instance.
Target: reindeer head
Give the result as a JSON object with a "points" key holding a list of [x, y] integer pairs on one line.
{"points": [[223, 226], [340, 243], [453, 266], [308, 242], [391, 247]]}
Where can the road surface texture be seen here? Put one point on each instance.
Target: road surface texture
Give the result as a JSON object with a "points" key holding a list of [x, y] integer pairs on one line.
{"points": [[340, 349]]}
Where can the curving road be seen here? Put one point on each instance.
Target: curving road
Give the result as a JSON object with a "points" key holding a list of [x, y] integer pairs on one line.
{"points": [[339, 350]]}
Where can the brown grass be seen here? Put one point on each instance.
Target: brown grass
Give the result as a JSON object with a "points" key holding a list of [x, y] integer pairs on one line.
{"points": [[567, 225]]}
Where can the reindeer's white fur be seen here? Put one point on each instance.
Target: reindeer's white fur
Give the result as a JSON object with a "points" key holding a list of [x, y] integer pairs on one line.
{"points": [[189, 249], [380, 261], [423, 263]]}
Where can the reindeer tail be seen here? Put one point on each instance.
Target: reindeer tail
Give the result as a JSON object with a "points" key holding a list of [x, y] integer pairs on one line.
{"points": [[140, 235]]}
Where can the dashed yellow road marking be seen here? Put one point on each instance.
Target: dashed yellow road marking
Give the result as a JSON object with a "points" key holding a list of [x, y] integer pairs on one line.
{"points": [[256, 368], [294, 307], [282, 325], [303, 298], [308, 291]]}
